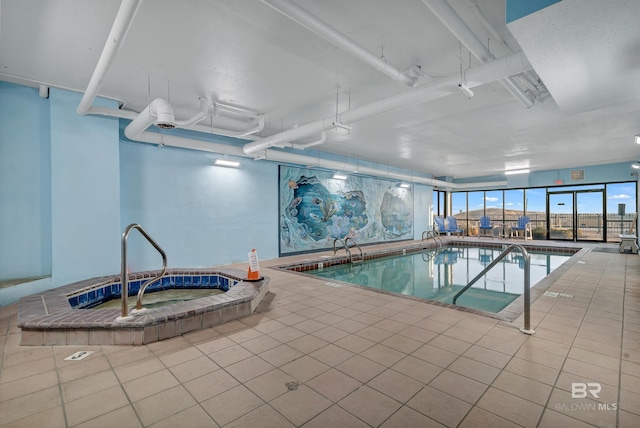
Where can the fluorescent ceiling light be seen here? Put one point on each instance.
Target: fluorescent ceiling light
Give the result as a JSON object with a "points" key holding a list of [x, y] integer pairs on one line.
{"points": [[637, 137], [405, 185], [225, 162], [339, 176], [635, 165], [516, 171]]}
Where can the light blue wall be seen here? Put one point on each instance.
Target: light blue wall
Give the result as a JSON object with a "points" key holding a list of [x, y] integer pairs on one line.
{"points": [[200, 214], [422, 209], [85, 190], [25, 213]]}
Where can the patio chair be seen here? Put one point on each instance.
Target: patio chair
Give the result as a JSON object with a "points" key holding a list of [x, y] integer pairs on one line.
{"points": [[484, 226], [451, 227], [524, 226]]}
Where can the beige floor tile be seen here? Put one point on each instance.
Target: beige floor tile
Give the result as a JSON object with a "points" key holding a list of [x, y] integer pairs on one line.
{"points": [[88, 385], [418, 333], [332, 355], [402, 343], [286, 334], [180, 356], [533, 371], [124, 417], [249, 368], [432, 325], [230, 355], [216, 344], [334, 416], [194, 416], [138, 369], [437, 405], [50, 418], [149, 385], [607, 393], [523, 387], [310, 325], [163, 405], [391, 325], [270, 326], [29, 405], [242, 335], [630, 383], [304, 368], [94, 405], [374, 334], [210, 385], [474, 369], [27, 369], [330, 334], [487, 356], [270, 385], [396, 385], [417, 369], [507, 346], [354, 343], [478, 417], [539, 356], [361, 368], [628, 420], [280, 355], [382, 354], [507, 406], [437, 356], [350, 325], [552, 419], [334, 385], [464, 334], [450, 344], [583, 409], [230, 327], [27, 385], [459, 386], [300, 405], [406, 417], [307, 343], [331, 318], [630, 401], [369, 405], [263, 417], [194, 368], [231, 405], [591, 371], [26, 354]]}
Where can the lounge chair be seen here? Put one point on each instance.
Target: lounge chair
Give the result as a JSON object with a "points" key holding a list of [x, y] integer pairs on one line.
{"points": [[524, 226], [451, 227], [484, 226]]}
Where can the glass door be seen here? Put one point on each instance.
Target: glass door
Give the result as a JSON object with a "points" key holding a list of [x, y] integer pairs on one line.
{"points": [[560, 222], [590, 215]]}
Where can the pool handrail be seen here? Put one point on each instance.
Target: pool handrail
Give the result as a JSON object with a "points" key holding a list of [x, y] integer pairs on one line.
{"points": [[124, 275], [432, 234], [355, 244], [527, 283]]}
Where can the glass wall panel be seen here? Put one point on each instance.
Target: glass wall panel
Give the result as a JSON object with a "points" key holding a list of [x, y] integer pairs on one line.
{"points": [[625, 194], [536, 206], [475, 210], [494, 202], [513, 205], [459, 208]]}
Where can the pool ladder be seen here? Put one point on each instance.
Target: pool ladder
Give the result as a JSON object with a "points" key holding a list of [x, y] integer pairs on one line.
{"points": [[124, 275], [345, 245], [527, 282], [432, 234]]}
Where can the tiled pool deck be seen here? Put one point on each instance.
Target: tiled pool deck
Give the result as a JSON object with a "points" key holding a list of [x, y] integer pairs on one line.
{"points": [[317, 355]]}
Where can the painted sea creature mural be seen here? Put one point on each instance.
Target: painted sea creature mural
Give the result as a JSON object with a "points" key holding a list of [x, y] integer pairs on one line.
{"points": [[315, 209]]}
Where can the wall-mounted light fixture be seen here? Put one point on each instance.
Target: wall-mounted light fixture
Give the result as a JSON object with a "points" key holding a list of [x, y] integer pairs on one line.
{"points": [[637, 139], [405, 185], [636, 165], [339, 176], [227, 163], [516, 171]]}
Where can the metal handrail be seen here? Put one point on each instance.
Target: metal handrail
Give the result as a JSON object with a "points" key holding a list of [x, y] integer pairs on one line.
{"points": [[341, 242], [432, 234], [527, 283], [355, 244], [124, 276]]}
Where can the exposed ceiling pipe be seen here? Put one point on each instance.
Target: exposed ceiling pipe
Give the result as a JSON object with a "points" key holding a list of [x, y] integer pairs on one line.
{"points": [[160, 113], [297, 159], [485, 73], [445, 13], [302, 146], [332, 35], [119, 29]]}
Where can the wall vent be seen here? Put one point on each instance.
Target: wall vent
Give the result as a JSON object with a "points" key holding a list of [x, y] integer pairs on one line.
{"points": [[577, 174]]}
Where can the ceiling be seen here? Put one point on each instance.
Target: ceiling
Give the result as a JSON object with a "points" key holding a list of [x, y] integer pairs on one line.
{"points": [[586, 53]]}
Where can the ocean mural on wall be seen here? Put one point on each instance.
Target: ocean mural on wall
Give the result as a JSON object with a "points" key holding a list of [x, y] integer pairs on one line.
{"points": [[315, 209]]}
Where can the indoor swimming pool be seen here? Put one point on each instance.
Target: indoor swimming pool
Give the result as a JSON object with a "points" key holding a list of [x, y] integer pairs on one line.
{"points": [[438, 274]]}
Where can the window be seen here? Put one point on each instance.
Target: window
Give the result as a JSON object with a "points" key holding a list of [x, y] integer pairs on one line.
{"points": [[536, 208]]}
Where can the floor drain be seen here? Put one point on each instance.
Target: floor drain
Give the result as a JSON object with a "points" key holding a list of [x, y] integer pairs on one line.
{"points": [[292, 386], [551, 294]]}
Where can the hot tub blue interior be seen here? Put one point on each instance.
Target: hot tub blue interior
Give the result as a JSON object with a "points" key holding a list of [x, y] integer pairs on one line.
{"points": [[89, 298]]}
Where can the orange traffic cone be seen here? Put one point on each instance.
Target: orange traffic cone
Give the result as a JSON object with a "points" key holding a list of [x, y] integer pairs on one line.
{"points": [[253, 273]]}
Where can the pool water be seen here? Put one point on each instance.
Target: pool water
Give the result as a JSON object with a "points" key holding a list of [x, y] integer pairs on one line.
{"points": [[440, 274], [162, 298]]}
